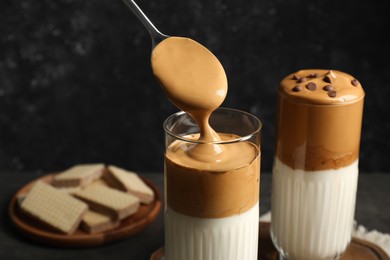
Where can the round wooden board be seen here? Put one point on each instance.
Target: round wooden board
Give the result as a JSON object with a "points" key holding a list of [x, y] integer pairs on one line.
{"points": [[40, 233], [358, 249]]}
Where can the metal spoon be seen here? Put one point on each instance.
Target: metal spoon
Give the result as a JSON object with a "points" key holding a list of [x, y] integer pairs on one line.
{"points": [[155, 34]]}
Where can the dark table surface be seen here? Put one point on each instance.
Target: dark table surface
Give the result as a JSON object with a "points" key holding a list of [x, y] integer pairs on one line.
{"points": [[372, 211]]}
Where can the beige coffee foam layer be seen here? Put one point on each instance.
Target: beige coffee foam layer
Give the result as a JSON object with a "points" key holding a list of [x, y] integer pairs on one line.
{"points": [[212, 190], [317, 132]]}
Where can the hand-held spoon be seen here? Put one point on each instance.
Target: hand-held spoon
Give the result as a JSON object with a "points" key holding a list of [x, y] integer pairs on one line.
{"points": [[156, 35]]}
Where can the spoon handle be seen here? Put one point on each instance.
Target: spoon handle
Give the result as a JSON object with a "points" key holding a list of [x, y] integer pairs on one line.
{"points": [[156, 35]]}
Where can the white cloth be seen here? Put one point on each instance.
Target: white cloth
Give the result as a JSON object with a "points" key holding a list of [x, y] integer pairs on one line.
{"points": [[380, 239]]}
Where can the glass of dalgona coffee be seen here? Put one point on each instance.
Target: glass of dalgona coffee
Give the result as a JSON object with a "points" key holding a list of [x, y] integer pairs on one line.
{"points": [[315, 170], [212, 188]]}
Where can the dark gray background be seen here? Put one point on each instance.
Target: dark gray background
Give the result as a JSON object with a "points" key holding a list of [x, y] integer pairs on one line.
{"points": [[76, 84]]}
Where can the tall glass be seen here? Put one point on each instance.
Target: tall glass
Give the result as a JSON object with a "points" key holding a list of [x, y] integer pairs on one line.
{"points": [[212, 201], [315, 170]]}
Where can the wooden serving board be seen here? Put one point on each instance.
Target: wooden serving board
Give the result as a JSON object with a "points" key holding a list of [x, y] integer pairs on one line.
{"points": [[358, 249], [40, 233]]}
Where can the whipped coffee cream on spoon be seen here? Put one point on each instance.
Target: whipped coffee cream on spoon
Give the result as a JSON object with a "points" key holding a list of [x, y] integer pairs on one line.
{"points": [[192, 78], [195, 81]]}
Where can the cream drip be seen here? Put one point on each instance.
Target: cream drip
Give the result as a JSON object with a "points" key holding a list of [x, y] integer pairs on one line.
{"points": [[192, 78]]}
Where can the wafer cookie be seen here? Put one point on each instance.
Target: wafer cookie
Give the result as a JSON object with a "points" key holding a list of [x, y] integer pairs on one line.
{"points": [[109, 201], [54, 208], [130, 182], [94, 222], [69, 190], [78, 175], [99, 182]]}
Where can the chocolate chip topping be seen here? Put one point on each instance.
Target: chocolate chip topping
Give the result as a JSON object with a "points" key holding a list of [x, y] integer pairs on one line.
{"points": [[332, 93], [327, 79], [313, 75], [355, 82], [341, 83], [331, 74], [301, 80], [297, 89], [328, 88], [311, 86], [295, 77]]}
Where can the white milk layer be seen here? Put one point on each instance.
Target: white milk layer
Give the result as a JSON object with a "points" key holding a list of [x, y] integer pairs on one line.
{"points": [[229, 238], [313, 212]]}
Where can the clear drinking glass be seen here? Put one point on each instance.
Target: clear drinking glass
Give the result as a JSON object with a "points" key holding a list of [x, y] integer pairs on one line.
{"points": [[212, 201], [315, 172]]}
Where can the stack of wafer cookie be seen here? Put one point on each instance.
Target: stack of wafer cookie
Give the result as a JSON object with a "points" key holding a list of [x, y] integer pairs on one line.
{"points": [[105, 200], [81, 197]]}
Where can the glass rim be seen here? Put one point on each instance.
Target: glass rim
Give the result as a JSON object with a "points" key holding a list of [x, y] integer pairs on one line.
{"points": [[230, 141]]}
